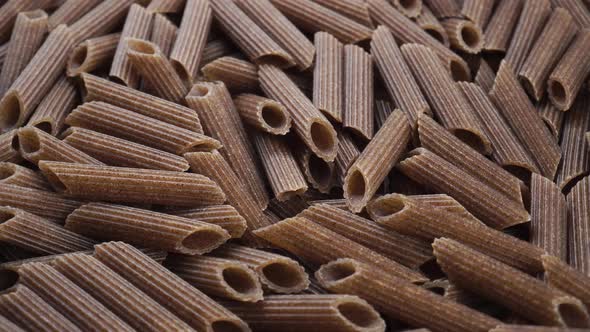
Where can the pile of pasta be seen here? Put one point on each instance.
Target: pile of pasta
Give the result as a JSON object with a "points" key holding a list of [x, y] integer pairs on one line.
{"points": [[295, 165]]}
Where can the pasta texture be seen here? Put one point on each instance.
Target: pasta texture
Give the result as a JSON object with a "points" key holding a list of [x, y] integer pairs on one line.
{"points": [[263, 114], [165, 6], [101, 20], [42, 203], [92, 54], [348, 152], [485, 76], [9, 147], [562, 276], [224, 216], [70, 11], [237, 75], [578, 211], [164, 34], [358, 91], [216, 49], [444, 8], [552, 117], [318, 172], [51, 113], [464, 35], [478, 11], [21, 176], [501, 26], [328, 76], [429, 23], [356, 10]]}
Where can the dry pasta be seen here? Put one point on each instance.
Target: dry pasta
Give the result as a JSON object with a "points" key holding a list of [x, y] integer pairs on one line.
{"points": [[70, 11], [478, 11], [328, 76], [444, 8], [51, 113], [429, 23], [356, 10], [552, 117], [165, 6], [216, 49], [578, 211], [562, 276], [263, 114], [100, 20], [500, 28], [46, 204], [92, 54], [464, 35], [163, 34], [9, 147], [485, 76], [10, 10], [18, 175], [224, 216], [577, 9], [348, 152], [319, 173], [237, 75]]}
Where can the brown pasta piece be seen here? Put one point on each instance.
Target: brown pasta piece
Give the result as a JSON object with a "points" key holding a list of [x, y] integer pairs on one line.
{"points": [[18, 175], [533, 328], [166, 6], [3, 51], [521, 115], [216, 49], [92, 54], [190, 41], [348, 152], [313, 17], [399, 299], [263, 114], [328, 76], [224, 216], [527, 296], [238, 75], [579, 225], [358, 91], [98, 89], [51, 113], [318, 245], [448, 104], [552, 117], [531, 21], [447, 203], [501, 25], [217, 277], [568, 76], [577, 9], [478, 11], [69, 299], [343, 313], [43, 203], [36, 145], [484, 202], [429, 23], [70, 11], [175, 294], [36, 79], [464, 35], [9, 147], [27, 36], [308, 123], [319, 173], [122, 123], [356, 10], [485, 76], [562, 276], [549, 47], [8, 326], [288, 208], [10, 10], [101, 20], [163, 34], [444, 8], [30, 312], [339, 203], [131, 305], [131, 185], [575, 162], [366, 174]]}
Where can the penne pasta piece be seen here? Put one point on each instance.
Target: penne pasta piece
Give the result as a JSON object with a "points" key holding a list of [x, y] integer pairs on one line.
{"points": [[365, 175], [21, 176], [532, 328], [577, 9], [358, 91], [552, 117], [531, 21], [254, 42], [131, 185], [98, 89], [485, 76], [31, 313], [36, 145], [125, 124], [575, 162], [70, 11], [343, 313], [287, 209], [166, 6], [238, 75], [328, 76], [549, 47], [348, 152], [519, 112], [27, 36], [411, 8], [527, 296], [42, 203], [216, 49], [37, 234], [487, 204], [318, 172], [478, 11], [224, 216], [213, 103], [448, 104], [578, 211], [464, 35], [399, 299], [445, 202], [3, 51], [100, 20], [501, 26], [444, 8], [190, 41], [36, 79], [10, 10], [51, 113], [429, 23], [318, 245], [68, 299], [277, 273], [131, 305], [175, 294], [137, 26], [356, 10], [313, 17], [163, 34], [281, 30], [92, 54], [308, 123], [339, 203], [8, 326], [417, 218], [263, 114], [9, 147], [568, 76], [217, 277], [562, 276]]}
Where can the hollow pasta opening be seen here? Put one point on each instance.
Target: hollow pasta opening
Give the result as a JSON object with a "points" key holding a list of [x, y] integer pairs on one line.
{"points": [[573, 315], [359, 314], [53, 179], [46, 126], [184, 75], [274, 59], [410, 5], [320, 171], [6, 170], [436, 35], [356, 187], [8, 278], [203, 240], [78, 57], [557, 92], [337, 271], [141, 46], [199, 90], [387, 206], [282, 274], [471, 139], [6, 214], [35, 14], [240, 280], [226, 326], [273, 116], [322, 137], [470, 36], [29, 140], [10, 111], [459, 72]]}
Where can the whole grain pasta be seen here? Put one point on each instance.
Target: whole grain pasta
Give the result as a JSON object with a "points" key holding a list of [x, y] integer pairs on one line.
{"points": [[70, 11], [264, 114], [8, 326], [485, 76], [478, 11], [429, 23], [464, 35], [238, 75], [9, 147], [328, 76], [92, 53], [578, 211], [444, 8], [100, 20], [224, 216], [532, 328], [358, 91], [552, 117], [577, 9], [288, 209], [51, 113], [216, 49], [18, 175], [163, 34], [10, 10], [348, 152], [356, 10], [562, 276], [319, 173], [166, 6], [447, 203], [500, 28]]}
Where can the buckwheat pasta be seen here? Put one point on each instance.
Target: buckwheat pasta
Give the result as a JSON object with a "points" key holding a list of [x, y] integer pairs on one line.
{"points": [[408, 251], [444, 8], [552, 42], [308, 123], [70, 11], [562, 276], [531, 21], [396, 74], [36, 79], [8, 326], [98, 89], [282, 171], [92, 54], [43, 203], [575, 162], [519, 112], [318, 245], [501, 25], [478, 11], [18, 175], [263, 114], [429, 23], [568, 76], [100, 20], [527, 296], [221, 120], [532, 328], [464, 35], [163, 33], [216, 49], [552, 117], [356, 10], [166, 6], [348, 152], [51, 113], [36, 145], [27, 36], [366, 174], [69, 299], [30, 312], [277, 273], [487, 204], [137, 25], [485, 76], [318, 172], [224, 216], [238, 75], [579, 211], [447, 203], [448, 103], [122, 123], [187, 302], [131, 305], [343, 313], [217, 277], [328, 76], [339, 203], [3, 51], [399, 299], [10, 10], [288, 208], [577, 9], [132, 185]]}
